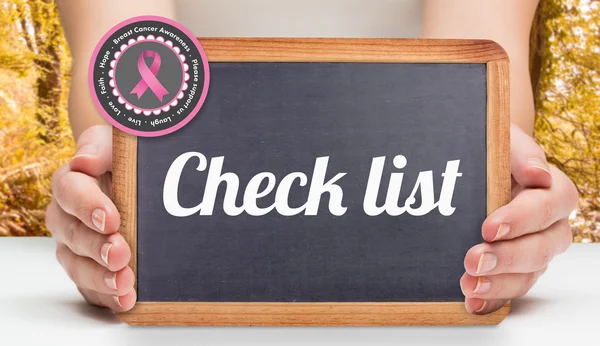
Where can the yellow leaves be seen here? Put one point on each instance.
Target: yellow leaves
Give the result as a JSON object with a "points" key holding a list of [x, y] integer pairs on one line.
{"points": [[20, 62], [30, 33], [568, 110]]}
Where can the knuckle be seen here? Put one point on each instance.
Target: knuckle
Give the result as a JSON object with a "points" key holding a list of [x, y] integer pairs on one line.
{"points": [[93, 249], [88, 135], [572, 194], [94, 134], [63, 184], [72, 271], [70, 234], [81, 243], [544, 259], [566, 236], [66, 261], [86, 294], [58, 255], [547, 212], [82, 205], [545, 253], [529, 282], [499, 286], [531, 278], [50, 218], [509, 260], [55, 176], [58, 173]]}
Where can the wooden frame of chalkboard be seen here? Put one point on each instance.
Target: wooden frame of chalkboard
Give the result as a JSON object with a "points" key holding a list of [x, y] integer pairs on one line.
{"points": [[332, 314]]}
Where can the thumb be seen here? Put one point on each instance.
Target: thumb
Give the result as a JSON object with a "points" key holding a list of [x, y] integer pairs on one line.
{"points": [[528, 162], [94, 151]]}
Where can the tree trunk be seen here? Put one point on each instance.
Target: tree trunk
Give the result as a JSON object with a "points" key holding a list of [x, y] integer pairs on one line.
{"points": [[48, 66], [536, 50], [49, 89]]}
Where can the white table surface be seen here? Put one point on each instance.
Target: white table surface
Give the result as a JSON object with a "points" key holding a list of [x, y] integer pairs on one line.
{"points": [[40, 306]]}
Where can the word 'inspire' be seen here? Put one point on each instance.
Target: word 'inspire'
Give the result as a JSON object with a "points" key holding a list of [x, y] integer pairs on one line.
{"points": [[318, 187]]}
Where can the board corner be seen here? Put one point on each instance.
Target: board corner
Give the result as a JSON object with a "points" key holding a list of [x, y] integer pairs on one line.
{"points": [[496, 50], [501, 314], [128, 317]]}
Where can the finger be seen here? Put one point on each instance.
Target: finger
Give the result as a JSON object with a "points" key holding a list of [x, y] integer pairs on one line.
{"points": [[79, 195], [88, 274], [482, 306], [94, 151], [528, 161], [525, 254], [532, 210], [110, 251], [502, 286], [116, 303]]}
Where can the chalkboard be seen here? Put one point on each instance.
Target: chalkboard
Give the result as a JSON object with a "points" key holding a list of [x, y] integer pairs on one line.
{"points": [[361, 122]]}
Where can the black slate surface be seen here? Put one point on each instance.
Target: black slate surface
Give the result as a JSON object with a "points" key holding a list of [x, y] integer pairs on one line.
{"points": [[279, 117]]}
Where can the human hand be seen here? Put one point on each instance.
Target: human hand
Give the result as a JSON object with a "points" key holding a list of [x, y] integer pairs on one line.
{"points": [[84, 221], [523, 236]]}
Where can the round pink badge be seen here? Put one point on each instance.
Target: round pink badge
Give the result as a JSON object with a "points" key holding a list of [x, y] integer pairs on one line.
{"points": [[149, 76]]}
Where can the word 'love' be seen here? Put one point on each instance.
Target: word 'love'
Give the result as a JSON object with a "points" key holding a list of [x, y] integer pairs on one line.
{"points": [[317, 188]]}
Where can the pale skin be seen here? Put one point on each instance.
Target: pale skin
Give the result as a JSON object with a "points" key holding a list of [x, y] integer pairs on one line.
{"points": [[520, 238]]}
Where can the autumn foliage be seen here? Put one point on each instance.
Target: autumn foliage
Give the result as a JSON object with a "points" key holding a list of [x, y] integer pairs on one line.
{"points": [[35, 137], [565, 64]]}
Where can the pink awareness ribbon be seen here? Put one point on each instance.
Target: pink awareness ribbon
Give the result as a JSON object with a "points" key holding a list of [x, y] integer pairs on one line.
{"points": [[149, 76]]}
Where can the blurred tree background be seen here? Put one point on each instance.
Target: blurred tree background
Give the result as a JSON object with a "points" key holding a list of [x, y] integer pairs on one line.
{"points": [[565, 73], [35, 137]]}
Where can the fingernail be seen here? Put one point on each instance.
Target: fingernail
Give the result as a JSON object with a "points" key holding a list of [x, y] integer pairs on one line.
{"points": [[117, 301], [482, 306], [502, 231], [88, 149], [483, 285], [487, 262], [104, 252], [110, 280], [538, 163], [98, 218]]}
